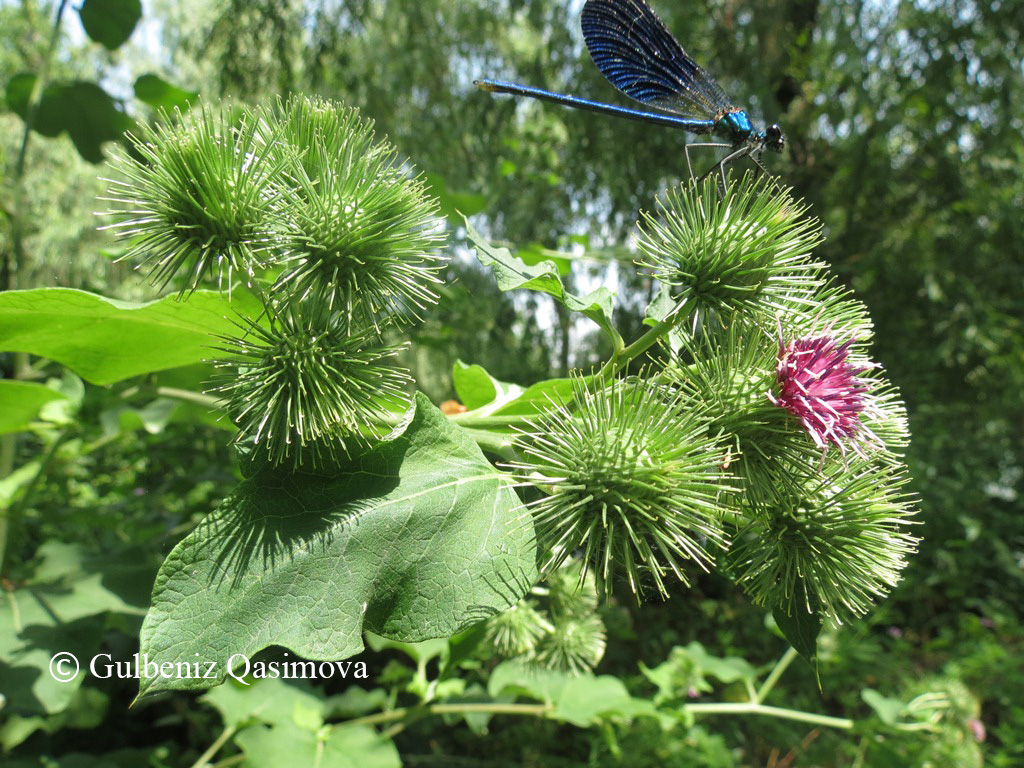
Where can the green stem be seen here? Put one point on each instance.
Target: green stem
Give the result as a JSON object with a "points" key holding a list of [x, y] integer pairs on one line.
{"points": [[753, 708], [497, 444], [776, 673], [207, 401], [862, 749], [405, 715], [488, 422], [622, 357], [36, 97], [537, 710], [204, 759]]}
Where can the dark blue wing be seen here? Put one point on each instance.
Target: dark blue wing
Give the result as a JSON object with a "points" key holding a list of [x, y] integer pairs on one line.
{"points": [[639, 56]]}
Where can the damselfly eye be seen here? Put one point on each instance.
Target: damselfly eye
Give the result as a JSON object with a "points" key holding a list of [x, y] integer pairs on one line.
{"points": [[774, 139]]}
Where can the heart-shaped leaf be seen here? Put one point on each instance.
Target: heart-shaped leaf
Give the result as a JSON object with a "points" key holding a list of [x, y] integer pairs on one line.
{"points": [[88, 114], [110, 22], [415, 540]]}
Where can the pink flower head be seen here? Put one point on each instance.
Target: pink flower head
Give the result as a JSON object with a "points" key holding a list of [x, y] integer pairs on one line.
{"points": [[820, 387]]}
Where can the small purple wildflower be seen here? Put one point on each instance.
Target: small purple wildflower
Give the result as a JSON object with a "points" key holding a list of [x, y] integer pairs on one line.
{"points": [[820, 387]]}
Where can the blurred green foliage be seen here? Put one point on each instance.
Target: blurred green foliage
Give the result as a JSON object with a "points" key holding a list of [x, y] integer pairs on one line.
{"points": [[905, 123]]}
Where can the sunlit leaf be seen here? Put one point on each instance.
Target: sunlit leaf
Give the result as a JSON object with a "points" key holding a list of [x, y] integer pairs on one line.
{"points": [[417, 539], [513, 273], [106, 340]]}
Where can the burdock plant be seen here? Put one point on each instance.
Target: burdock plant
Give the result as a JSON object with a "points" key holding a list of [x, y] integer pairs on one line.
{"points": [[765, 441], [742, 252], [361, 235], [630, 476], [305, 386], [557, 626], [197, 199], [330, 233]]}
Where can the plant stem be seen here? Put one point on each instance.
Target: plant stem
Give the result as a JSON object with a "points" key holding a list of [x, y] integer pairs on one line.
{"points": [[753, 708], [494, 443], [38, 86], [488, 422], [11, 265], [775, 674], [622, 357], [204, 759], [187, 395], [538, 710], [405, 715]]}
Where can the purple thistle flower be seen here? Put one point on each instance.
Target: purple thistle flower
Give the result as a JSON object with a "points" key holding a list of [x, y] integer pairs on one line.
{"points": [[820, 387]]}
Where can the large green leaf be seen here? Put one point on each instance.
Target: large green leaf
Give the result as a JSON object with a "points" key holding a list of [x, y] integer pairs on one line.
{"points": [[88, 114], [283, 723], [110, 22], [20, 403], [513, 273], [417, 539], [104, 340]]}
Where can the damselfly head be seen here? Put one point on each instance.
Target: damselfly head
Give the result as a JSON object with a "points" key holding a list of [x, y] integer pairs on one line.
{"points": [[774, 139]]}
